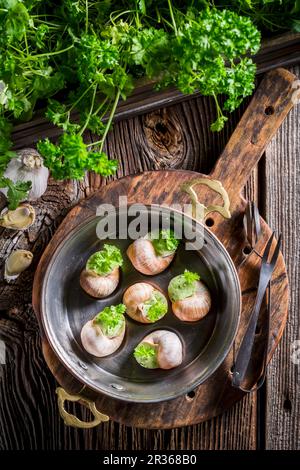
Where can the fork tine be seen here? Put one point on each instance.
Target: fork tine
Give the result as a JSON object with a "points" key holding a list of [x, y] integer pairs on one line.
{"points": [[257, 226], [267, 248], [276, 252]]}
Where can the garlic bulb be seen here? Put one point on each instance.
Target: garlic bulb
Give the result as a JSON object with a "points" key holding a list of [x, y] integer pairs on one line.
{"points": [[28, 166], [19, 219], [16, 263], [104, 334], [195, 307], [160, 349], [145, 303], [144, 258], [99, 286]]}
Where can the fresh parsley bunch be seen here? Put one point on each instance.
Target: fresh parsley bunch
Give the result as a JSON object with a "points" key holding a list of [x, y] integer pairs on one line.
{"points": [[80, 58]]}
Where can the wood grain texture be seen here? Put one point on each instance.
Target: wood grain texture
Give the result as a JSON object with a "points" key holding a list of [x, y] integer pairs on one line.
{"points": [[283, 213], [128, 143], [26, 386]]}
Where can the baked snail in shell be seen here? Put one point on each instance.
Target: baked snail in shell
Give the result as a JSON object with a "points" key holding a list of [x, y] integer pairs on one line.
{"points": [[191, 299], [154, 253], [101, 274], [104, 334], [161, 349], [145, 303]]}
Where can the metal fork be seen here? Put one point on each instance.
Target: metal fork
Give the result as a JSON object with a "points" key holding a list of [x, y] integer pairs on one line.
{"points": [[244, 354]]}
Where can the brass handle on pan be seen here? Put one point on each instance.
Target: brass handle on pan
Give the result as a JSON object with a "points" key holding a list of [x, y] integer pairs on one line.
{"points": [[72, 420], [198, 207]]}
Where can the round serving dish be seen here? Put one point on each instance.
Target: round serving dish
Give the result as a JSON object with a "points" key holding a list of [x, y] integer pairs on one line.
{"points": [[65, 307]]}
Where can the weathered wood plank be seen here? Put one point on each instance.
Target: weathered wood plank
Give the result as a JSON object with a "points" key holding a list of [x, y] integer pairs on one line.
{"points": [[30, 415], [283, 214]]}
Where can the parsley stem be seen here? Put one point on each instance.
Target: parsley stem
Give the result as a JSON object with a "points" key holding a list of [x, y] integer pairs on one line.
{"points": [[90, 112], [49, 54], [86, 16], [172, 17], [111, 116], [112, 113]]}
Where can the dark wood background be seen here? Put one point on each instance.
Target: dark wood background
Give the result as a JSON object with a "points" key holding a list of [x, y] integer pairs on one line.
{"points": [[174, 137]]}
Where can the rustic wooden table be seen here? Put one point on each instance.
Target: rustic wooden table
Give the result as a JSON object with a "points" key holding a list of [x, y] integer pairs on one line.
{"points": [[174, 137]]}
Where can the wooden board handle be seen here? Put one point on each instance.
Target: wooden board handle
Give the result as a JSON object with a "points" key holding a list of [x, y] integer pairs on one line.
{"points": [[272, 101]]}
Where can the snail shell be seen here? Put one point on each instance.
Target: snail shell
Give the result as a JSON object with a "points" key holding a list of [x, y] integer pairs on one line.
{"points": [[134, 298], [16, 263], [98, 344], [143, 257], [195, 307], [169, 348], [19, 219], [99, 286]]}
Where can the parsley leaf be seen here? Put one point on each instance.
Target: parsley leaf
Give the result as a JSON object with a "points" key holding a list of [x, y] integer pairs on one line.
{"points": [[165, 243], [183, 286], [105, 261], [16, 193], [156, 307], [111, 320], [146, 355]]}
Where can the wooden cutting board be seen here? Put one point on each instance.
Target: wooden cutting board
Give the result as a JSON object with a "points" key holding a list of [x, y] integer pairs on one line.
{"points": [[268, 108]]}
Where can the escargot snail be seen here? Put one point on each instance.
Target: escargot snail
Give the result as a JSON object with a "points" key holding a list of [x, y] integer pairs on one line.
{"points": [[191, 299], [160, 349], [145, 303], [104, 334], [153, 254], [101, 274]]}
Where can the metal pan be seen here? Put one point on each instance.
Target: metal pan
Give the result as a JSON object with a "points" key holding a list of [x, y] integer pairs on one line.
{"points": [[66, 307]]}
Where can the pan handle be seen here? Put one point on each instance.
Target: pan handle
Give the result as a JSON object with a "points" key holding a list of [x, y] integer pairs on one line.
{"points": [[274, 98], [199, 210], [72, 420]]}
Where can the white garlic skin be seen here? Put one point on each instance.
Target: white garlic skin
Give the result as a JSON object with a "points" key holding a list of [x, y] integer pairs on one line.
{"points": [[170, 350], [99, 286], [193, 308], [144, 258], [28, 166], [16, 263], [98, 344]]}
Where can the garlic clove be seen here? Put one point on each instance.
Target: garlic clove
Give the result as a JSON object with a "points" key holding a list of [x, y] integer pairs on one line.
{"points": [[19, 219], [99, 286], [143, 257], [195, 307], [16, 263], [98, 344], [28, 166], [160, 349]]}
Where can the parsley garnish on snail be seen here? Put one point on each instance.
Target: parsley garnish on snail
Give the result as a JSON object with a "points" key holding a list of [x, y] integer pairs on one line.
{"points": [[161, 349], [153, 254], [101, 274], [145, 303], [190, 298], [104, 334]]}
